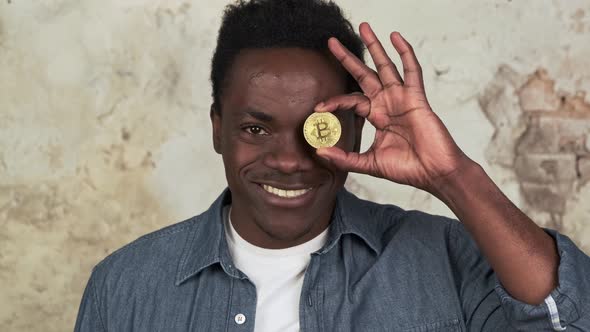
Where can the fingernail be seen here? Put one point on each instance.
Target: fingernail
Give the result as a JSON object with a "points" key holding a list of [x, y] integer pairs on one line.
{"points": [[320, 105]]}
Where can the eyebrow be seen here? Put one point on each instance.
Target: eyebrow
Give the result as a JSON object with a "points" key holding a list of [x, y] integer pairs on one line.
{"points": [[259, 115]]}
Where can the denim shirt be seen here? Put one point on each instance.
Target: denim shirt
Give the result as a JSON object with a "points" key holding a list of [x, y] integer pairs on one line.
{"points": [[382, 269]]}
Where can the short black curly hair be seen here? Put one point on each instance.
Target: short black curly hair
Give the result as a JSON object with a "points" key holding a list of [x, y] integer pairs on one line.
{"points": [[255, 24]]}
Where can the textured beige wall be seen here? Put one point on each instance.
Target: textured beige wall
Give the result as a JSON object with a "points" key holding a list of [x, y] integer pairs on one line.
{"points": [[104, 130]]}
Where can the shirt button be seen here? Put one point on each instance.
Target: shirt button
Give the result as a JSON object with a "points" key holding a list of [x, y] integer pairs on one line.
{"points": [[240, 319]]}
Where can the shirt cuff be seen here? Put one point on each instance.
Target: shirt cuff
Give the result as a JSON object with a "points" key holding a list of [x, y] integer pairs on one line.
{"points": [[563, 305], [553, 313]]}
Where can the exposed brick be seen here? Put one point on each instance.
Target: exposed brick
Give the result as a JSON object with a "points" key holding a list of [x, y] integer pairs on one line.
{"points": [[545, 138], [538, 93], [556, 133], [567, 123], [545, 197], [537, 139], [583, 169], [546, 168], [571, 143], [576, 103]]}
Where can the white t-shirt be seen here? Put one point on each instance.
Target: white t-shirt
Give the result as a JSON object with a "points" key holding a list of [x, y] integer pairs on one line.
{"points": [[278, 277]]}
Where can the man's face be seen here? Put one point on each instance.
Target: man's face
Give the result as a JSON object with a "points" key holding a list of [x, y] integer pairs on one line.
{"points": [[282, 193]]}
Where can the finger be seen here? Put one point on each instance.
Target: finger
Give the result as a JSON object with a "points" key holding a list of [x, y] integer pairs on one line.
{"points": [[365, 76], [385, 67], [356, 101], [412, 69], [346, 161]]}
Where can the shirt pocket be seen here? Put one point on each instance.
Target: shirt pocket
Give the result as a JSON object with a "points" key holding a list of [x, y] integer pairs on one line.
{"points": [[453, 325]]}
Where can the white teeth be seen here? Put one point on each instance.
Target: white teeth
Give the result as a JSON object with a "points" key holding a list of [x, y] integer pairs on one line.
{"points": [[285, 193]]}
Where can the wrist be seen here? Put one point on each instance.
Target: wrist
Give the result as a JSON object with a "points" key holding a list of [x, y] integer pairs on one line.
{"points": [[464, 177]]}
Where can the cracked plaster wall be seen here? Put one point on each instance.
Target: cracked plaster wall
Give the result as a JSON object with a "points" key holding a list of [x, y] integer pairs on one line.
{"points": [[542, 135], [105, 136]]}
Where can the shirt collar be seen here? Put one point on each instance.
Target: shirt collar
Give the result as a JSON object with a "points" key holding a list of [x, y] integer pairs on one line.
{"points": [[353, 215], [206, 244]]}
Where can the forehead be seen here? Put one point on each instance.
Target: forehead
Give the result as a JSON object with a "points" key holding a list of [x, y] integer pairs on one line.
{"points": [[282, 77]]}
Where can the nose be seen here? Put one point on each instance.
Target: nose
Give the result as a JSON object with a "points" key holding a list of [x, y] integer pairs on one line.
{"points": [[290, 155]]}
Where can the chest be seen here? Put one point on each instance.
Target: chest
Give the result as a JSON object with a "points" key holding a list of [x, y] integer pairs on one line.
{"points": [[340, 291]]}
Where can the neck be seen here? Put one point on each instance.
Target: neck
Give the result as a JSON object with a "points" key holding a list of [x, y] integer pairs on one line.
{"points": [[278, 230]]}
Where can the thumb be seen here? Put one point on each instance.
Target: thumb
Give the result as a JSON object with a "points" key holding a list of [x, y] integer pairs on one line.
{"points": [[346, 161]]}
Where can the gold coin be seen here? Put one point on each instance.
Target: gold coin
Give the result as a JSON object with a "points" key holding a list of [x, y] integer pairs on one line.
{"points": [[322, 130]]}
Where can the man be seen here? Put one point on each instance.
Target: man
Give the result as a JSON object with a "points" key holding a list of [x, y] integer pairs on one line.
{"points": [[286, 248]]}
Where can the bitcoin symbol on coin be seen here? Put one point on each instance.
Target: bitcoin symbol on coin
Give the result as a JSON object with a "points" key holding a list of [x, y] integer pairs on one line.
{"points": [[322, 130]]}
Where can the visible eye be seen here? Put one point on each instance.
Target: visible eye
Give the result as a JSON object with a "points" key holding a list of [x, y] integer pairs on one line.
{"points": [[255, 130]]}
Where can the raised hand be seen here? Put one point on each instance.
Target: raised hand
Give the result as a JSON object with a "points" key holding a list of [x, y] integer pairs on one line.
{"points": [[411, 145]]}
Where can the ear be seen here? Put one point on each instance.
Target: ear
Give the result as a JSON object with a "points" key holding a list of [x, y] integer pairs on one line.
{"points": [[215, 116], [359, 122]]}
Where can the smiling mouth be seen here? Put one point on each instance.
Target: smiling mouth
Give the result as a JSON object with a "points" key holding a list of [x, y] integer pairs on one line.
{"points": [[284, 193]]}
